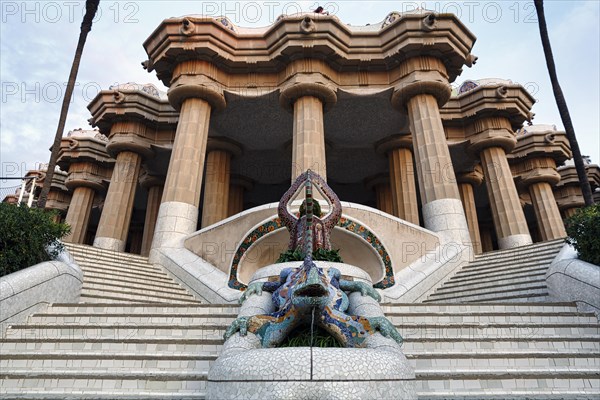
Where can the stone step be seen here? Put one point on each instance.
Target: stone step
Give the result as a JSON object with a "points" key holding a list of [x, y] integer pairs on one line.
{"points": [[129, 277], [114, 269], [501, 289], [532, 248], [131, 282], [50, 394], [487, 289], [492, 392], [492, 362], [496, 277], [506, 272], [509, 293], [86, 381], [482, 284], [145, 308], [177, 292], [525, 266], [138, 319], [99, 259], [399, 319], [119, 297], [37, 362], [542, 256], [216, 330], [90, 251]]}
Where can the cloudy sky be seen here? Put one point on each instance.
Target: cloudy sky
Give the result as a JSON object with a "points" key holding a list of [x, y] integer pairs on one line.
{"points": [[38, 39]]}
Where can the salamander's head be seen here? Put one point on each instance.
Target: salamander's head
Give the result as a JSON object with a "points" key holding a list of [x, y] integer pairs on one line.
{"points": [[311, 289]]}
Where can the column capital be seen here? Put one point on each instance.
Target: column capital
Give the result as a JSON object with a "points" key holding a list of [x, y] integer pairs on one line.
{"points": [[224, 144], [148, 180], [490, 132], [196, 86], [390, 143], [242, 181], [313, 84], [534, 170], [421, 75], [473, 177], [129, 136], [87, 174], [374, 180]]}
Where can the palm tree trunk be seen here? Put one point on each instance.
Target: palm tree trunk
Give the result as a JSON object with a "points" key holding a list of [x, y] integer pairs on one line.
{"points": [[91, 6], [562, 106]]}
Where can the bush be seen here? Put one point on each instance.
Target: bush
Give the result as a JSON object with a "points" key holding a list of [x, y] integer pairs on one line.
{"points": [[25, 233], [583, 230], [318, 255]]}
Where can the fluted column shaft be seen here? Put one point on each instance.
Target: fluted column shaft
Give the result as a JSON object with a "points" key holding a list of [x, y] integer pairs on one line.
{"points": [[546, 211], [118, 206], [178, 213], [403, 188], [236, 200], [384, 199], [468, 199], [308, 143], [78, 214], [153, 204], [216, 188], [509, 219], [442, 208]]}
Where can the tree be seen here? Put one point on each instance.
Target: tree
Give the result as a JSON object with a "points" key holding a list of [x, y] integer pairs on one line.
{"points": [[561, 103], [91, 6]]}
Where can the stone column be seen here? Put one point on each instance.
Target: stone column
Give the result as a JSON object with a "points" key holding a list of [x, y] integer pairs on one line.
{"points": [[491, 138], [127, 142], [84, 179], [178, 213], [539, 175], [383, 192], [422, 90], [402, 177], [215, 207], [466, 181], [154, 185], [308, 101], [118, 206], [78, 214], [237, 186]]}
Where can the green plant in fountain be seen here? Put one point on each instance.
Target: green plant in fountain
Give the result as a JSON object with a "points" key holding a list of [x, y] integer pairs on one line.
{"points": [[318, 255], [25, 234], [583, 230], [302, 338]]}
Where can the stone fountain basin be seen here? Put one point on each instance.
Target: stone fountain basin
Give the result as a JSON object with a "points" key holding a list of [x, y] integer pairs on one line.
{"points": [[311, 373]]}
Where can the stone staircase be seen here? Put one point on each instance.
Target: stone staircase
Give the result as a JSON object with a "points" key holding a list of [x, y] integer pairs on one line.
{"points": [[111, 276], [128, 349], [513, 275]]}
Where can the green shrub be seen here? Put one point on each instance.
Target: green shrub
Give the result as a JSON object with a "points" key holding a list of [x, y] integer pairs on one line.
{"points": [[583, 230], [25, 233], [318, 255], [301, 337]]}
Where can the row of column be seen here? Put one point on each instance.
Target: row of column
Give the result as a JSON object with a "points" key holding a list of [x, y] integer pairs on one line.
{"points": [[446, 204]]}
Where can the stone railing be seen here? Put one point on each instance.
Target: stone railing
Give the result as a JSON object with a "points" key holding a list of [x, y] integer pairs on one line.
{"points": [[30, 290], [571, 279]]}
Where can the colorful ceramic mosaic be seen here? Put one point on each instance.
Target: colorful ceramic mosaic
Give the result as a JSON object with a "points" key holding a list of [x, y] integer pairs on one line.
{"points": [[226, 23], [346, 223], [308, 296], [466, 86]]}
